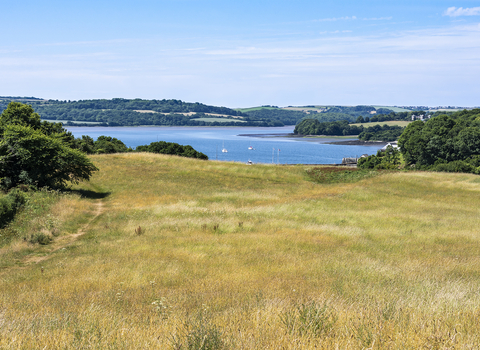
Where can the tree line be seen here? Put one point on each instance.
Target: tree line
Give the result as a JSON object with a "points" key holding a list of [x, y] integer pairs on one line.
{"points": [[448, 143], [134, 112], [444, 143], [125, 112], [343, 128]]}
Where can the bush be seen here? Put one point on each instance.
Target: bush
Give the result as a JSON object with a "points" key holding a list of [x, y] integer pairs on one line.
{"points": [[9, 206], [40, 238], [457, 166], [388, 159], [172, 148], [38, 154]]}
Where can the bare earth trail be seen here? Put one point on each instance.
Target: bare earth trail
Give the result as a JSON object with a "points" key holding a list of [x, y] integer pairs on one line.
{"points": [[64, 241]]}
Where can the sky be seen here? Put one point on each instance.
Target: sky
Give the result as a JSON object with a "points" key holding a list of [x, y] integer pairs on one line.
{"points": [[244, 53]]}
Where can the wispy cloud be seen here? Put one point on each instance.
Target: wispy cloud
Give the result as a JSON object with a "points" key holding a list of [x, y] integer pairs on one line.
{"points": [[460, 11], [347, 18], [336, 32], [378, 19]]}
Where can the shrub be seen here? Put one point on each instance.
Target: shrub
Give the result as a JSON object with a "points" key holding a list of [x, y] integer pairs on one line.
{"points": [[457, 166], [40, 238], [9, 206]]}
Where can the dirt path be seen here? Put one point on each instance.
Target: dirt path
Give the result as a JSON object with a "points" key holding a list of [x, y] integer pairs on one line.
{"points": [[64, 241]]}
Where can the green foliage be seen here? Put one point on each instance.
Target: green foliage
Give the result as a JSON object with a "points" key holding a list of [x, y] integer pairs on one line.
{"points": [[381, 133], [40, 238], [37, 154], [173, 149], [119, 111], [32, 214], [339, 128], [19, 114], [85, 144], [9, 205], [456, 166], [443, 139], [338, 174], [336, 128], [388, 159], [108, 144]]}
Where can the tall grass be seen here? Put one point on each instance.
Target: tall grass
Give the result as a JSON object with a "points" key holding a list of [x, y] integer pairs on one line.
{"points": [[241, 257]]}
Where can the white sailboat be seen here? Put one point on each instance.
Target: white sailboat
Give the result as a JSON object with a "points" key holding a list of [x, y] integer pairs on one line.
{"points": [[224, 150]]}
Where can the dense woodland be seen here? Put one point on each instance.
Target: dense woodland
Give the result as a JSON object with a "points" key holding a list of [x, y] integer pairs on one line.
{"points": [[444, 143], [343, 128], [125, 112], [134, 112], [317, 125], [335, 128], [381, 133]]}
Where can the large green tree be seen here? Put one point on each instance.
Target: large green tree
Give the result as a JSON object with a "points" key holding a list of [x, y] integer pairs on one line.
{"points": [[38, 153], [443, 139]]}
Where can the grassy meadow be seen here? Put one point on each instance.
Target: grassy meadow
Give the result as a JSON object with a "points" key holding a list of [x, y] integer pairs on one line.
{"points": [[220, 120], [162, 252], [402, 123]]}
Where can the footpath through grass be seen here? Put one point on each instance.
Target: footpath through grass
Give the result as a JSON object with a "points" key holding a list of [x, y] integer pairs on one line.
{"points": [[192, 254]]}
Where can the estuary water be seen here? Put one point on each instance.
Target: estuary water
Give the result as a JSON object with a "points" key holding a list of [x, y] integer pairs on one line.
{"points": [[243, 144]]}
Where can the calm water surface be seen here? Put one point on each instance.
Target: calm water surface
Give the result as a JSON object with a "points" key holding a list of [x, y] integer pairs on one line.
{"points": [[269, 144]]}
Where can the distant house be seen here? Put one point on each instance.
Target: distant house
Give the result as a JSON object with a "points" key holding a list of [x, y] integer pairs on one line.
{"points": [[422, 117], [394, 144], [349, 161]]}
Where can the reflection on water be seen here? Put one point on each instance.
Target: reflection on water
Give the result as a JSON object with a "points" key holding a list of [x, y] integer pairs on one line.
{"points": [[242, 144]]}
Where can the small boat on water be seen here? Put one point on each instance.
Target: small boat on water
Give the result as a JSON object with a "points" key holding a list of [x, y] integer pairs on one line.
{"points": [[250, 147], [249, 162], [224, 150]]}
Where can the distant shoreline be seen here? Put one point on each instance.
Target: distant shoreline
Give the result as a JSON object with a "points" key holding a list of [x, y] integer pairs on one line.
{"points": [[331, 140], [359, 143]]}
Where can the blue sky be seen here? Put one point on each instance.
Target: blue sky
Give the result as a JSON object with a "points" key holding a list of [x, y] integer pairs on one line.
{"points": [[244, 53]]}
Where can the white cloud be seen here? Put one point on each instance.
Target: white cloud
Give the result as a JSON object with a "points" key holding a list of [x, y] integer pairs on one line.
{"points": [[336, 19], [378, 19], [455, 12]]}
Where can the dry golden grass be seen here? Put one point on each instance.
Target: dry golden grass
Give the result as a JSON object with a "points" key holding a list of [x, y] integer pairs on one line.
{"points": [[238, 257]]}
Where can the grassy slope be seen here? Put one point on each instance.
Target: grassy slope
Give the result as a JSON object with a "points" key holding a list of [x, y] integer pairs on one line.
{"points": [[254, 109], [388, 122], [389, 262], [395, 109], [220, 120]]}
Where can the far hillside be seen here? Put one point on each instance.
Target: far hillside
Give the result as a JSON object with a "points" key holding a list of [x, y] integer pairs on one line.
{"points": [[136, 112], [402, 123]]}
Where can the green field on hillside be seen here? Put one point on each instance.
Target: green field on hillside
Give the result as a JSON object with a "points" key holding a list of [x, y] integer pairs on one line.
{"points": [[402, 123], [66, 121], [163, 252], [395, 109], [250, 109], [220, 120]]}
